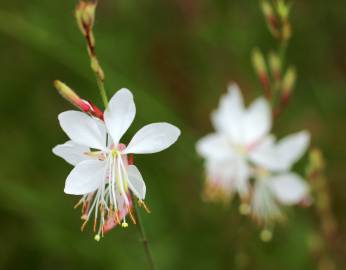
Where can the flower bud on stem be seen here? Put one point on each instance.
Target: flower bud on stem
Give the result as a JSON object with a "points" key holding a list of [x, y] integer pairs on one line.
{"points": [[271, 18], [67, 93], [275, 66], [260, 67], [70, 95], [278, 88], [85, 16], [288, 84]]}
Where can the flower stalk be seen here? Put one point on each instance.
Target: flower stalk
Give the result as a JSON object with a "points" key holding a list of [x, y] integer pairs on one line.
{"points": [[144, 238], [85, 16]]}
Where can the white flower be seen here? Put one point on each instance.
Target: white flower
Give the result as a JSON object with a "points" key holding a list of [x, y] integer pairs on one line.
{"points": [[100, 160], [239, 132], [275, 184], [242, 149]]}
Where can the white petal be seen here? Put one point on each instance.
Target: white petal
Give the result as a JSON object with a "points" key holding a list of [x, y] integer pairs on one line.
{"points": [[257, 121], [241, 176], [231, 174], [136, 182], [83, 129], [289, 188], [119, 114], [227, 118], [281, 157], [153, 138], [71, 152], [221, 173], [293, 147], [214, 146], [86, 177], [264, 154]]}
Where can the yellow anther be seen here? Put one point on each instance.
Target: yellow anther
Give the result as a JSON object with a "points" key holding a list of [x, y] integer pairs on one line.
{"points": [[245, 209], [115, 152], [83, 225], [124, 224], [146, 208], [131, 215], [266, 235], [97, 237]]}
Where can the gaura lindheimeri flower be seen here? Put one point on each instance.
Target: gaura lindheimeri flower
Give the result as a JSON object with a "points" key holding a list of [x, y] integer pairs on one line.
{"points": [[275, 185], [102, 172], [242, 149], [228, 152]]}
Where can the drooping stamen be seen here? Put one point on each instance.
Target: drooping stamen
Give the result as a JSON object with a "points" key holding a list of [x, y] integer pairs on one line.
{"points": [[81, 201], [83, 225], [146, 208], [110, 204], [131, 215]]}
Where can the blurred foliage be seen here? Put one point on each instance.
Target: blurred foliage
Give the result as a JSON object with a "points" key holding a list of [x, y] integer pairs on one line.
{"points": [[177, 56]]}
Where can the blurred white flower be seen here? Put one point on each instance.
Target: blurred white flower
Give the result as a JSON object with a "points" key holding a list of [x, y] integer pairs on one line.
{"points": [[242, 149], [239, 133], [275, 185], [100, 160]]}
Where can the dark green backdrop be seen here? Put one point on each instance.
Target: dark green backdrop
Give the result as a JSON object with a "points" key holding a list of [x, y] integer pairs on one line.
{"points": [[177, 56]]}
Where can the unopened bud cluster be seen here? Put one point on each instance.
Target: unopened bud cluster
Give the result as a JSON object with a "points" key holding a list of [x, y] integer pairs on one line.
{"points": [[277, 17], [277, 81], [85, 16]]}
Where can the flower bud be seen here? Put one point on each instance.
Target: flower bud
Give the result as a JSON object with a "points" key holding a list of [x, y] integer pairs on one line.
{"points": [[85, 15], [260, 67], [259, 62], [288, 84], [275, 65], [270, 16], [286, 31], [283, 10], [86, 106], [266, 235], [316, 160], [67, 93]]}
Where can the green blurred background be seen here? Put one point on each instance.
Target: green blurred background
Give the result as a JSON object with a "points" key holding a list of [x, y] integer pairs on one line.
{"points": [[177, 56]]}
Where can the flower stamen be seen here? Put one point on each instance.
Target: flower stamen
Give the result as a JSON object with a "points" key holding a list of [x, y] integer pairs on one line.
{"points": [[142, 203]]}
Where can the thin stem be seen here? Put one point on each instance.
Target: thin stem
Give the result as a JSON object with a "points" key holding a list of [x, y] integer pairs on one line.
{"points": [[85, 14], [144, 238], [102, 90], [282, 52]]}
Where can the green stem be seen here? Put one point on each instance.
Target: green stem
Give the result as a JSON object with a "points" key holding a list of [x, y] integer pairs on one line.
{"points": [[102, 90], [282, 53], [144, 238]]}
